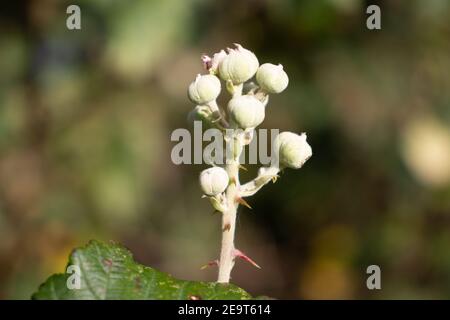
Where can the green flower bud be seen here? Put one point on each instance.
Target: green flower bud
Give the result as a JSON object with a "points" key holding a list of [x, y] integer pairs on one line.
{"points": [[292, 149], [239, 65], [246, 111], [204, 89], [272, 78], [214, 181]]}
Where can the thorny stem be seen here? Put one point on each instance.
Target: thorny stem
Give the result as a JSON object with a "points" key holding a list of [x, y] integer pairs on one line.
{"points": [[226, 262], [237, 136], [233, 194]]}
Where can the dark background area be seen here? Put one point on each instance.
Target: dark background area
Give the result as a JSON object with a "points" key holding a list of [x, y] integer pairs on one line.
{"points": [[86, 118]]}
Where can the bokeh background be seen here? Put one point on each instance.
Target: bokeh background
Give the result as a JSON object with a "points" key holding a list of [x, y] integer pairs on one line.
{"points": [[86, 118]]}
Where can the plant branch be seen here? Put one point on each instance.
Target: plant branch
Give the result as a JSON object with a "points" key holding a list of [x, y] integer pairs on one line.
{"points": [[265, 175], [227, 252], [226, 261]]}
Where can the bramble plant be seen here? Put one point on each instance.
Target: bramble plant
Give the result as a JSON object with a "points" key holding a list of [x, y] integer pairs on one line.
{"points": [[108, 271], [245, 111]]}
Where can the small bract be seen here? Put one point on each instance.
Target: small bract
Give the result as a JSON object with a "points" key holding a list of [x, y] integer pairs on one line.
{"points": [[200, 113], [212, 64]]}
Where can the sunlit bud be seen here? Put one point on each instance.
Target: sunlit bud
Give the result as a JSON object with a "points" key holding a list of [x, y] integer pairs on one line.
{"points": [[272, 78], [239, 65], [246, 111], [214, 181], [204, 89], [292, 149]]}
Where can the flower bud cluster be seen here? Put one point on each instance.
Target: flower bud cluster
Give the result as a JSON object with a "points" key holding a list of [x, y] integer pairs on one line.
{"points": [[246, 110], [250, 85]]}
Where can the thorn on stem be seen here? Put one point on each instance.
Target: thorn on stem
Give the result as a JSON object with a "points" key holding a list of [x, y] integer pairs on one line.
{"points": [[239, 254], [243, 202], [210, 264], [242, 167]]}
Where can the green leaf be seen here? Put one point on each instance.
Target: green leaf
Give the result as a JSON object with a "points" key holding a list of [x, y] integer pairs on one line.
{"points": [[108, 271]]}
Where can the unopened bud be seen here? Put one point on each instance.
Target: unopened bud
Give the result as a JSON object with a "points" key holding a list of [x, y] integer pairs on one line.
{"points": [[239, 65], [204, 89], [246, 111], [272, 78], [214, 181], [292, 149]]}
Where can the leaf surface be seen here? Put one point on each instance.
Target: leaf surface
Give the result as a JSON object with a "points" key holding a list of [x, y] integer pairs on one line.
{"points": [[108, 271]]}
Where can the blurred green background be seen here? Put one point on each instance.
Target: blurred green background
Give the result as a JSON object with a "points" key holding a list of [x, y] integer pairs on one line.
{"points": [[86, 118]]}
